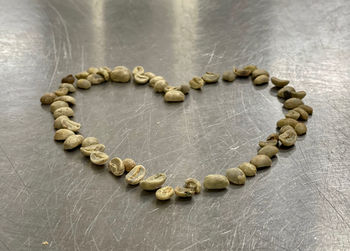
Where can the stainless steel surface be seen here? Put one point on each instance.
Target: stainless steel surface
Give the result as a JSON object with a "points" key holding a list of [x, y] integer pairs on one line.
{"points": [[300, 203]]}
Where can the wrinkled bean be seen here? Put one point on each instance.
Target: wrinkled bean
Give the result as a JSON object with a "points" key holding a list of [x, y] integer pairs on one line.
{"points": [[120, 74], [286, 128], [88, 150], [293, 114], [99, 158], [66, 123], [154, 80], [160, 85], [116, 166], [210, 77], [72, 142], [153, 182], [61, 91], [165, 193], [174, 96], [70, 87], [141, 78], [63, 111], [288, 138], [196, 83], [272, 139], [88, 141], [129, 164], [135, 175], [95, 79], [138, 70], [67, 99], [193, 184], [183, 192]]}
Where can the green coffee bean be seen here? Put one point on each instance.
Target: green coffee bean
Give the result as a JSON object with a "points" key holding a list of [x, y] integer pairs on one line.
{"points": [[68, 79], [160, 85], [293, 114], [154, 80], [279, 82], [129, 164], [269, 150], [259, 72], [185, 89], [120, 74], [61, 91], [292, 103], [95, 79], [58, 122], [70, 87], [116, 166], [196, 83], [174, 96], [63, 111], [135, 175], [183, 192], [92, 70], [169, 88], [248, 169], [215, 181], [88, 150], [63, 134], [193, 184], [299, 95], [288, 138], [104, 72], [287, 121], [88, 141], [300, 129], [138, 70], [140, 78], [260, 80], [236, 176], [67, 99], [285, 92], [48, 98], [150, 75], [210, 77], [306, 108], [83, 84], [272, 139], [58, 104], [98, 158], [250, 68], [66, 123], [260, 161], [153, 182], [82, 75], [72, 142], [242, 72], [285, 128], [303, 114], [165, 193], [229, 76]]}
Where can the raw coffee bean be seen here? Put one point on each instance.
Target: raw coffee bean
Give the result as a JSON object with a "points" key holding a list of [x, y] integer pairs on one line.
{"points": [[293, 114], [68, 79], [88, 141], [116, 166], [211, 77], [58, 104], [70, 87], [300, 129], [242, 72], [120, 74], [99, 158], [103, 72], [63, 111], [185, 89], [285, 92], [196, 83], [279, 82], [48, 98], [229, 76], [165, 193], [303, 114], [174, 96], [260, 80], [61, 91], [287, 121], [153, 182], [272, 139], [299, 95], [66, 123], [160, 85], [250, 68], [259, 72], [286, 128], [150, 75], [235, 176], [95, 79], [248, 169], [268, 150], [170, 88], [183, 192], [58, 122], [141, 78], [292, 103], [63, 134], [193, 184], [88, 150], [67, 99], [82, 75], [135, 175], [129, 164], [260, 161], [306, 108], [138, 70], [288, 138], [83, 84], [154, 80], [92, 70], [72, 142], [215, 181]]}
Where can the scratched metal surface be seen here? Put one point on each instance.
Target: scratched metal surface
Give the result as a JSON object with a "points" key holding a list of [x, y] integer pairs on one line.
{"points": [[300, 203]]}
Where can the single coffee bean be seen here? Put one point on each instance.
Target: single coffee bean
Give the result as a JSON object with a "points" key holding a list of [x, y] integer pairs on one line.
{"points": [[287, 121], [68, 79], [306, 108], [260, 161], [98, 158], [292, 103], [235, 176], [160, 85], [138, 70], [210, 77], [185, 89], [193, 184], [48, 98], [153, 182], [95, 79], [293, 114], [215, 181], [259, 72], [88, 150], [248, 169], [285, 92], [183, 192], [66, 123], [67, 99], [260, 80], [70, 87], [174, 96], [63, 134], [272, 139], [154, 80], [120, 74], [250, 68], [288, 138], [299, 95], [303, 114], [103, 72], [72, 142], [129, 164], [83, 84], [88, 141], [82, 75], [229, 76], [92, 70], [116, 166], [135, 175], [285, 128], [269, 150], [169, 88], [63, 111], [58, 122], [150, 75], [58, 104], [196, 83], [300, 129], [279, 82], [165, 193], [141, 78], [61, 91], [242, 72]]}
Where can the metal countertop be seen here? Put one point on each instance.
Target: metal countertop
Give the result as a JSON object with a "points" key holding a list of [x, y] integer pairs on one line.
{"points": [[300, 203]]}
